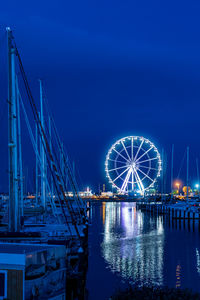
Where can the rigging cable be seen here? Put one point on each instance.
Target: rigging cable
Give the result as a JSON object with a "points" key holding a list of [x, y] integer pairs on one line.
{"points": [[57, 181]]}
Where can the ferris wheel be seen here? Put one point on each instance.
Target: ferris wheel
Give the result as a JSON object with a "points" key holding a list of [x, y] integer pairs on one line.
{"points": [[133, 164]]}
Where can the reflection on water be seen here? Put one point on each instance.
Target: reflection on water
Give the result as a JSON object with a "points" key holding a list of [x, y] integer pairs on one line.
{"points": [[198, 261], [178, 276], [131, 247]]}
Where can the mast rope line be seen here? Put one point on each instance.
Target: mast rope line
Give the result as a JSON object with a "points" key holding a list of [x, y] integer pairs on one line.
{"points": [[63, 179], [37, 119], [36, 151], [66, 160], [62, 175], [38, 154], [64, 183], [69, 172]]}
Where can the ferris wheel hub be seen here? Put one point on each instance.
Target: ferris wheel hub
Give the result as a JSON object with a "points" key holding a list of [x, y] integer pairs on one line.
{"points": [[132, 164]]}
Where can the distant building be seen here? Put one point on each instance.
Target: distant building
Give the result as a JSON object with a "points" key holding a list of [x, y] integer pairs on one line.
{"points": [[107, 194]]}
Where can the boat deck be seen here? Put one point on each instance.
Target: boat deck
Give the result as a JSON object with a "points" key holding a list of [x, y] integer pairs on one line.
{"points": [[13, 248]]}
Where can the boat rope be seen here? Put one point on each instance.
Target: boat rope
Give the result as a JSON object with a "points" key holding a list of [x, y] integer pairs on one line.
{"points": [[57, 180]]}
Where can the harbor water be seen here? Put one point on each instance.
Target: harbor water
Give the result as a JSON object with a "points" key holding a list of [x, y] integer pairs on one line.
{"points": [[131, 247]]}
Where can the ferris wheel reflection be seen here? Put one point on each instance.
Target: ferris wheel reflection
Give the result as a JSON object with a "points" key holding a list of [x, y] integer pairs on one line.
{"points": [[133, 244]]}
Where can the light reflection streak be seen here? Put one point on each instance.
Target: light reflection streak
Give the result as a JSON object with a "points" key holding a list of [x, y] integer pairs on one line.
{"points": [[132, 245], [198, 260], [104, 211], [178, 276]]}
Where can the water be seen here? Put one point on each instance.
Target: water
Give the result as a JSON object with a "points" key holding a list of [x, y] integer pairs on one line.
{"points": [[127, 246]]}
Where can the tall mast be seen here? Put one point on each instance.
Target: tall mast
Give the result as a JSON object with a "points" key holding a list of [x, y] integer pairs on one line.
{"points": [[187, 180], [197, 162], [74, 172], [21, 188], [62, 159], [66, 173], [50, 141], [12, 138], [36, 163], [172, 171], [43, 175], [162, 183]]}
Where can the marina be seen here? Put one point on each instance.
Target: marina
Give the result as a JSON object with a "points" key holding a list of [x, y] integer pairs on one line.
{"points": [[99, 151]]}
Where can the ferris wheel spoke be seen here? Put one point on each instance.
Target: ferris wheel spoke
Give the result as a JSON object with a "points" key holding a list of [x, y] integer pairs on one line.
{"points": [[147, 160], [144, 153], [121, 174], [120, 154], [123, 162], [132, 181], [148, 168], [138, 150], [117, 168], [145, 175], [125, 150], [124, 185]]}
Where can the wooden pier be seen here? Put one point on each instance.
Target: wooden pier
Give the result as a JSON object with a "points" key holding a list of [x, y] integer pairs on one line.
{"points": [[182, 213]]}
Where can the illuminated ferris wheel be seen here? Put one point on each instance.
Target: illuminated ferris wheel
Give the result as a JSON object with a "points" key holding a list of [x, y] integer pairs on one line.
{"points": [[133, 164]]}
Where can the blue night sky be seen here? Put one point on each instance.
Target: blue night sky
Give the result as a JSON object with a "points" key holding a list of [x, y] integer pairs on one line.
{"points": [[110, 69]]}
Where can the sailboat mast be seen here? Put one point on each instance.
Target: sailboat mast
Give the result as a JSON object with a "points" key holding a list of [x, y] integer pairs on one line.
{"points": [[162, 182], [187, 180], [36, 164], [21, 188], [50, 141], [43, 173], [14, 221], [172, 171], [197, 163]]}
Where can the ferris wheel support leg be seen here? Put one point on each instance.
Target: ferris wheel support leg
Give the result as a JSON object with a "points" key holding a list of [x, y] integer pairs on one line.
{"points": [[124, 185], [140, 185]]}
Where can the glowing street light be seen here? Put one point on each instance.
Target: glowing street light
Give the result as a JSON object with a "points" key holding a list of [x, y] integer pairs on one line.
{"points": [[178, 186], [197, 187]]}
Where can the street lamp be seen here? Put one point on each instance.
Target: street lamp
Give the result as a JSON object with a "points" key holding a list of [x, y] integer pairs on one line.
{"points": [[178, 186]]}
